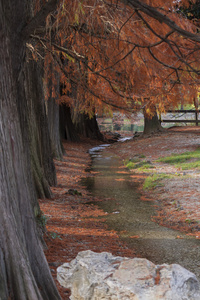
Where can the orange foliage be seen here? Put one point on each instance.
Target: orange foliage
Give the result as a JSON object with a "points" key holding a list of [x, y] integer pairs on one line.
{"points": [[116, 55]]}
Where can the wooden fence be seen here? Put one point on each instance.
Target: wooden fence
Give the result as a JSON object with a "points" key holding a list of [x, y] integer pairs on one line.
{"points": [[195, 120]]}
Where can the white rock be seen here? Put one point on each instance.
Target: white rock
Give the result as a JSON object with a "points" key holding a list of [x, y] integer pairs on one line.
{"points": [[94, 276]]}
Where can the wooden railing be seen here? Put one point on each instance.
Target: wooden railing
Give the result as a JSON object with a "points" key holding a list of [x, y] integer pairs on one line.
{"points": [[195, 120]]}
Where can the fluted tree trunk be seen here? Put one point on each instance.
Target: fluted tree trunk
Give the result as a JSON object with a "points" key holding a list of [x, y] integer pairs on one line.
{"points": [[87, 127], [67, 128], [151, 122], [24, 271], [34, 126], [53, 112]]}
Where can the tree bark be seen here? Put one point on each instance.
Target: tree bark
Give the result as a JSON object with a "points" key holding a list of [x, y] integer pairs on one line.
{"points": [[54, 114], [54, 128], [151, 122], [88, 127], [3, 277], [24, 269], [34, 126], [67, 128]]}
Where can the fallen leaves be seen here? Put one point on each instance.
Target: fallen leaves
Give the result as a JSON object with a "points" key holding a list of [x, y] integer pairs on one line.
{"points": [[179, 237], [78, 223], [134, 237], [74, 223]]}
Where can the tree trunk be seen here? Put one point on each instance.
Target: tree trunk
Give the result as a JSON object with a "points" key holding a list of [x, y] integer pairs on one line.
{"points": [[151, 123], [34, 125], [88, 127], [54, 128], [24, 270], [67, 128], [54, 114]]}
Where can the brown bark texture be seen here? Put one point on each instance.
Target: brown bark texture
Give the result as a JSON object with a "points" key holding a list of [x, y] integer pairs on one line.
{"points": [[151, 122], [23, 267], [87, 127], [43, 168], [54, 115], [67, 128]]}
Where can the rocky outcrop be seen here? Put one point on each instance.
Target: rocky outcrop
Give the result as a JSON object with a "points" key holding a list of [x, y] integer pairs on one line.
{"points": [[94, 276]]}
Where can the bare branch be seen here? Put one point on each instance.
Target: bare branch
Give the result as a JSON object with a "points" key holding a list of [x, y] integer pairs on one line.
{"points": [[154, 13], [39, 19], [170, 45]]}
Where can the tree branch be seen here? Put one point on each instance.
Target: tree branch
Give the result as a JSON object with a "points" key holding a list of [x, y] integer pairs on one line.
{"points": [[39, 19], [170, 45], [154, 13]]}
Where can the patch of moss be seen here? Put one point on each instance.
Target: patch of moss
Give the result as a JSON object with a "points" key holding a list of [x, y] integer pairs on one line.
{"points": [[41, 219]]}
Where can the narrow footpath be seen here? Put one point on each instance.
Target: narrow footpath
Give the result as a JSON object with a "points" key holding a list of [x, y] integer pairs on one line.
{"points": [[72, 221], [75, 224]]}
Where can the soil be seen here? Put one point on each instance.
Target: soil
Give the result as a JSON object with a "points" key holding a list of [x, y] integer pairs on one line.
{"points": [[75, 224]]}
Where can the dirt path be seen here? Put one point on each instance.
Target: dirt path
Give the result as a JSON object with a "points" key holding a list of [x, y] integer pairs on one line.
{"points": [[177, 198], [74, 224]]}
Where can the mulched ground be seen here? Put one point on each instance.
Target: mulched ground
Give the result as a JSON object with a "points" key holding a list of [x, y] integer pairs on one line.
{"points": [[75, 224]]}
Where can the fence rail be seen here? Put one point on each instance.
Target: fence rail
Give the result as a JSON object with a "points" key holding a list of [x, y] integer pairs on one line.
{"points": [[195, 120]]}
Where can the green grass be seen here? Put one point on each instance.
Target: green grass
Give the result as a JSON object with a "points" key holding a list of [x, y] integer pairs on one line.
{"points": [[141, 156], [154, 180], [186, 160], [132, 160], [137, 163], [145, 167], [192, 165], [141, 165], [130, 165]]}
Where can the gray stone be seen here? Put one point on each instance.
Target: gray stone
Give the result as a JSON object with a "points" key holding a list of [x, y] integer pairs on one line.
{"points": [[93, 276]]}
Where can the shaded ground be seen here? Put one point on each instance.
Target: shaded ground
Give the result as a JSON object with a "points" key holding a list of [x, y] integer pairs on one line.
{"points": [[73, 223]]}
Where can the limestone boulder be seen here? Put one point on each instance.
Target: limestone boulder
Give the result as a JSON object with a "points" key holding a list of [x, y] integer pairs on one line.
{"points": [[93, 276]]}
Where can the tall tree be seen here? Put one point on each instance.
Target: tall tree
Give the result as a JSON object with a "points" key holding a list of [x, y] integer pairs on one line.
{"points": [[21, 252], [34, 127]]}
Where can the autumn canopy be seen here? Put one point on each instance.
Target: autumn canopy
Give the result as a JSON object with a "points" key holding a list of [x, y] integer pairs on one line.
{"points": [[127, 54]]}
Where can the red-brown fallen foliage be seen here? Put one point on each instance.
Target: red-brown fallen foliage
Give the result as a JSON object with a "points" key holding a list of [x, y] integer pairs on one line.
{"points": [[73, 224]]}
